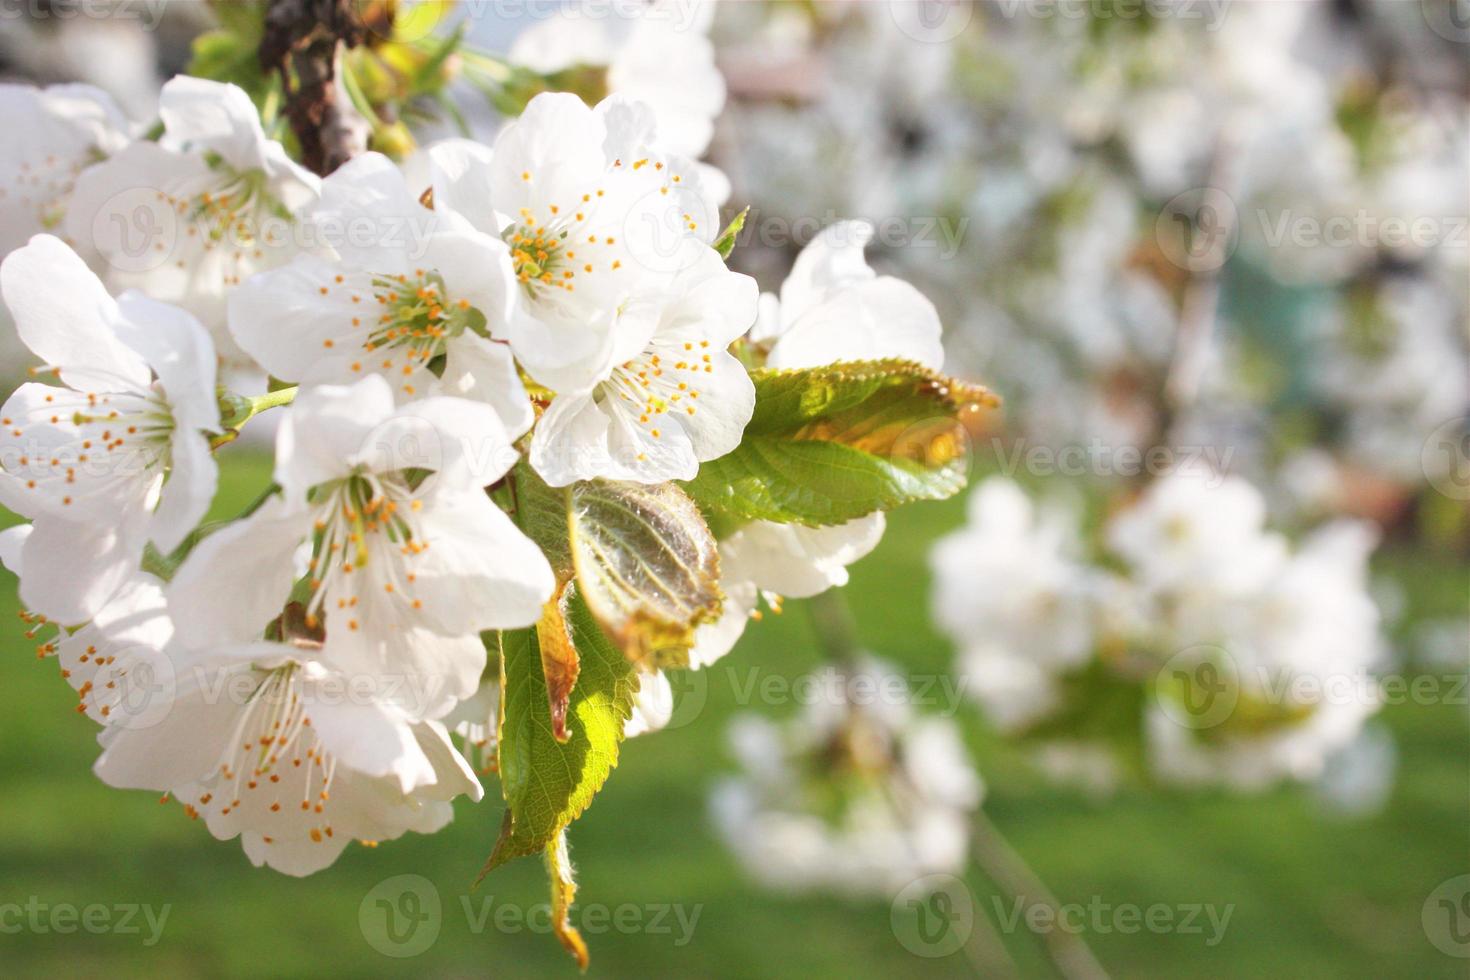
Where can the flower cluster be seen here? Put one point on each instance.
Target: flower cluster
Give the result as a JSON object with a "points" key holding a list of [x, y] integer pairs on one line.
{"points": [[1237, 660], [490, 364], [858, 794], [1081, 179]]}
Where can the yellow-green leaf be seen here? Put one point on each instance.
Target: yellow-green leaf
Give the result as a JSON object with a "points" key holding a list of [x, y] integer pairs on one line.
{"points": [[548, 783], [830, 444]]}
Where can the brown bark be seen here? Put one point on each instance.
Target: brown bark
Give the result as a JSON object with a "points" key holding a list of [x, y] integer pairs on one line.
{"points": [[301, 43]]}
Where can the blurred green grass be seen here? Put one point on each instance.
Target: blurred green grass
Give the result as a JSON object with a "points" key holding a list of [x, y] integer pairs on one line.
{"points": [[1313, 895]]}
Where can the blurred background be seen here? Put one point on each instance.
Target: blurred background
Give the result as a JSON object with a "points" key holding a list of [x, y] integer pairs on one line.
{"points": [[1228, 239]]}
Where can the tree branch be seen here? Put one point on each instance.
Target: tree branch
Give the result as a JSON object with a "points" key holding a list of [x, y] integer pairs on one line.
{"points": [[302, 42]]}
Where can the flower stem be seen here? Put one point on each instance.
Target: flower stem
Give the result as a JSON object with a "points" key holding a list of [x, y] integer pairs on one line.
{"points": [[835, 627], [236, 410]]}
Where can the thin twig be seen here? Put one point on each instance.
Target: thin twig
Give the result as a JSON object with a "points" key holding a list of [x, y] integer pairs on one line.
{"points": [[836, 630], [1068, 952], [1200, 307]]}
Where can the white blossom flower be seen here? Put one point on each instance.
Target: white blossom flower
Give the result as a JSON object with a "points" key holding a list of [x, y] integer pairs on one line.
{"points": [[1295, 750], [770, 560], [661, 56], [1297, 646], [476, 720], [112, 661], [681, 400], [849, 796], [833, 307], [1194, 531], [1016, 601], [195, 214], [598, 224], [405, 570], [269, 745], [59, 131], [414, 298], [115, 456]]}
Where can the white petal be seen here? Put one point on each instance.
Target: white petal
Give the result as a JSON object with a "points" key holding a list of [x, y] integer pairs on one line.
{"points": [[185, 745], [371, 217], [66, 318], [73, 568], [12, 542], [117, 663], [180, 353], [582, 437], [561, 41], [51, 470], [424, 673], [67, 128], [238, 579], [203, 115], [370, 738], [479, 572], [326, 430], [476, 268], [557, 140], [713, 640], [567, 355], [800, 561], [459, 172], [831, 262], [296, 332], [881, 318], [653, 705], [462, 440], [296, 856], [486, 370], [187, 493], [453, 775]]}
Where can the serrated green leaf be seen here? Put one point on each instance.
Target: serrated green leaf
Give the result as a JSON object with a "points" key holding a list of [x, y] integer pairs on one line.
{"points": [[647, 565], [547, 784], [643, 556], [828, 445], [544, 514]]}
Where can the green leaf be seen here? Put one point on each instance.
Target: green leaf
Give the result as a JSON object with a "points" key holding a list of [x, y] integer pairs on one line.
{"points": [[543, 513], [644, 559], [546, 783], [830, 444], [725, 244], [224, 56], [647, 565]]}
